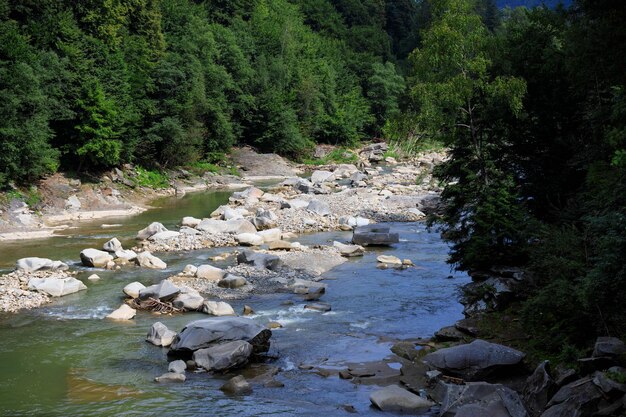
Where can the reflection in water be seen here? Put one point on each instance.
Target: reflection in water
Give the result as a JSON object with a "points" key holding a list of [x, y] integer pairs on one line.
{"points": [[83, 390]]}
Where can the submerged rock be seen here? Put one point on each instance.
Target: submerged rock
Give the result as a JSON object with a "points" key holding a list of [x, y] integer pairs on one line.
{"points": [[236, 386], [171, 377], [374, 236], [124, 312]]}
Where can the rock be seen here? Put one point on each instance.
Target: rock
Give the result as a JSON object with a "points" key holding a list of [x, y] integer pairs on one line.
{"points": [[270, 235], [318, 177], [163, 291], [468, 326], [407, 262], [249, 239], [539, 388], [374, 236], [189, 302], [231, 214], [124, 312], [218, 308], [449, 334], [210, 273], [190, 222], [608, 347], [190, 270], [263, 223], [147, 260], [247, 310], [189, 231], [93, 277], [259, 260], [279, 245], [405, 350], [223, 356], [169, 234], [171, 377], [212, 226], [151, 230], [273, 325], [480, 399], [474, 360], [95, 258], [349, 250], [34, 264], [318, 207], [323, 307], [177, 366], [396, 399], [573, 398], [303, 286], [73, 203], [133, 289], [201, 334], [129, 255], [160, 335], [56, 287], [388, 259], [112, 245], [297, 204], [236, 386], [238, 226], [232, 282]]}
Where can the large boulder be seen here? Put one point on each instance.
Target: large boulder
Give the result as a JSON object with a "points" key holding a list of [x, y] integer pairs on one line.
{"points": [[160, 335], [112, 245], [270, 235], [218, 308], [234, 226], [148, 260], [151, 230], [396, 399], [318, 177], [189, 221], [201, 334], [349, 250], [259, 260], [188, 301], [95, 258], [56, 287], [609, 347], [374, 235], [223, 356], [210, 273], [124, 312], [480, 399], [265, 219], [34, 264], [576, 399], [232, 282], [127, 254], [539, 388], [163, 291], [474, 360]]}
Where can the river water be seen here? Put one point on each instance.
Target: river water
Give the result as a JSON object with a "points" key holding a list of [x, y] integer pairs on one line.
{"points": [[64, 359]]}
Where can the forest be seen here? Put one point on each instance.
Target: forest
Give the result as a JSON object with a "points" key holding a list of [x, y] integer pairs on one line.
{"points": [[530, 102]]}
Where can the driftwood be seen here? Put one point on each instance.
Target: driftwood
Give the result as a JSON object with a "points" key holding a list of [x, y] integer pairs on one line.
{"points": [[155, 305]]}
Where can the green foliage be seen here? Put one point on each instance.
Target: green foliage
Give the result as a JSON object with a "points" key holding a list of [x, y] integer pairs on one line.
{"points": [[150, 179], [339, 155]]}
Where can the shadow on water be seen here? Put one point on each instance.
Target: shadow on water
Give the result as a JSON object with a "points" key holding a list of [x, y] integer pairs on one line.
{"points": [[66, 359]]}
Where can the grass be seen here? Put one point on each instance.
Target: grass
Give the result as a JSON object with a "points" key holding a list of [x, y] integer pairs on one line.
{"points": [[31, 196], [151, 179], [336, 156]]}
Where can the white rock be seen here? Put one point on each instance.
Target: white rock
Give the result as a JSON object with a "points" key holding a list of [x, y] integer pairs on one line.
{"points": [[152, 229], [388, 259], [394, 398], [298, 204], [33, 264], [190, 270], [73, 203], [147, 260], [56, 287], [190, 221], [93, 277], [231, 214], [125, 312], [270, 235], [160, 335], [210, 273], [132, 289], [318, 177], [112, 245], [249, 239], [95, 258], [218, 308]]}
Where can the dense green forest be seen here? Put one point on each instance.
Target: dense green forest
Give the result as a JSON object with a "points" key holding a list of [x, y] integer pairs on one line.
{"points": [[530, 102]]}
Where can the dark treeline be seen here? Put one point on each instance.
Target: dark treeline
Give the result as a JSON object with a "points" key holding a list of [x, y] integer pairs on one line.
{"points": [[93, 84], [534, 113]]}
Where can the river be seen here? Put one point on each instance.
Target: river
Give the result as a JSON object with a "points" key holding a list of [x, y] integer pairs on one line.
{"points": [[64, 359]]}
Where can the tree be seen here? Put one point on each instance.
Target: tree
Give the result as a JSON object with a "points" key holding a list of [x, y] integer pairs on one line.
{"points": [[463, 105]]}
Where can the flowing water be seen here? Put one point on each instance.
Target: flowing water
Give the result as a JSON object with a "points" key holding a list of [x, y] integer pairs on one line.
{"points": [[64, 359]]}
